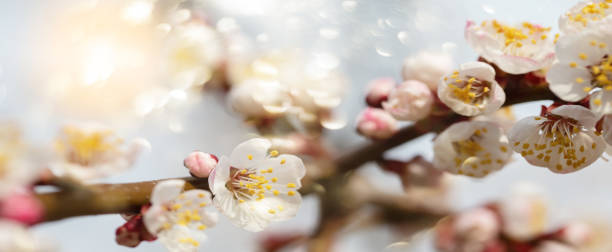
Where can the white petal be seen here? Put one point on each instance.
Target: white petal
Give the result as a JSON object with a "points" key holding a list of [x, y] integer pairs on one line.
{"points": [[224, 201], [601, 102], [564, 84], [166, 191], [219, 176], [607, 129], [496, 100], [479, 70], [578, 113], [569, 48], [155, 218], [246, 153]]}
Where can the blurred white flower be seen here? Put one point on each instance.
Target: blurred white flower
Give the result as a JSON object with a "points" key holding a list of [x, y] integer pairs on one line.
{"points": [[378, 91], [472, 90], [427, 67], [504, 117], [193, 51], [259, 98], [412, 101], [578, 234], [15, 237], [517, 49], [17, 169], [587, 15], [471, 148], [477, 225], [179, 218], [253, 187], [584, 67], [524, 215], [87, 152], [310, 84], [564, 141], [376, 123]]}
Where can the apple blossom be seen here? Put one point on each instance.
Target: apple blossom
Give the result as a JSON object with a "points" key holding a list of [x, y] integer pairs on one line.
{"points": [[584, 68], [471, 148], [587, 15], [179, 218], [517, 49], [472, 90], [254, 187], [564, 140]]}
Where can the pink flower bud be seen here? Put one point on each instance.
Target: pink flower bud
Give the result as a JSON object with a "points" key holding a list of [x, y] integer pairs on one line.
{"points": [[378, 91], [21, 207], [577, 234], [376, 123], [200, 164], [412, 101]]}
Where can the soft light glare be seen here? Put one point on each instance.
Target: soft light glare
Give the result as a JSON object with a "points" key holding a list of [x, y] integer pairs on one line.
{"points": [[98, 64], [138, 12]]}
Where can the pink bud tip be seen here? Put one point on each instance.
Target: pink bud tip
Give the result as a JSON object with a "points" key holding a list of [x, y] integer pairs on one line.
{"points": [[200, 164], [378, 91], [376, 123], [21, 207]]}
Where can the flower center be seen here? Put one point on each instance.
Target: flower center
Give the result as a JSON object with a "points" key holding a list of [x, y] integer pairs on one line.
{"points": [[86, 148], [515, 38], [469, 89], [245, 184], [471, 152], [602, 73], [590, 12]]}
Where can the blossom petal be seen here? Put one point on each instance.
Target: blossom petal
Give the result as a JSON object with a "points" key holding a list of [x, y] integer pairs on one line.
{"points": [[167, 191], [249, 152], [569, 83], [601, 102], [579, 113]]}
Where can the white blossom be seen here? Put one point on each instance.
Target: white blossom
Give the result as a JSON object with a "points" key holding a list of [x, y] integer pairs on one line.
{"points": [[192, 51], [587, 15], [15, 237], [253, 187], [427, 67], [259, 98], [554, 246], [517, 49], [471, 148], [584, 67], [563, 141], [524, 214], [412, 100], [472, 90], [179, 218], [477, 225], [88, 152], [17, 169]]}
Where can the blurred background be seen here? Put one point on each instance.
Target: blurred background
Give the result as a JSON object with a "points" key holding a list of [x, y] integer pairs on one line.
{"points": [[366, 39]]}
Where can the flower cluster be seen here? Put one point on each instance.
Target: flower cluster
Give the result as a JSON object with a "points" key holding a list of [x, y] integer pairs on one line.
{"points": [[252, 187], [518, 223], [286, 82]]}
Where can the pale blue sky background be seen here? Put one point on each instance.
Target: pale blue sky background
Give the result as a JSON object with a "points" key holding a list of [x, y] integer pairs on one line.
{"points": [[368, 46]]}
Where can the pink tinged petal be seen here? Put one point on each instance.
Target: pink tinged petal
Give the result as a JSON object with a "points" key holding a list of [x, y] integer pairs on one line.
{"points": [[569, 83], [584, 116], [601, 102], [376, 123], [166, 191], [496, 100], [246, 153], [21, 207]]}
